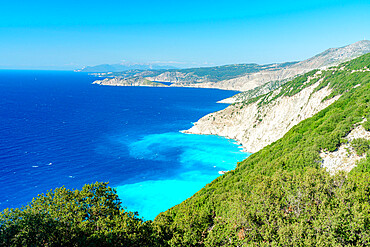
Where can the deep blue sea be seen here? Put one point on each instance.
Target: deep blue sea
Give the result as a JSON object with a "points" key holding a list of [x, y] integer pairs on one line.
{"points": [[56, 129]]}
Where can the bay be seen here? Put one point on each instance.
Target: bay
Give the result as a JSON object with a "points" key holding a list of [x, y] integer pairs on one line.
{"points": [[57, 129]]}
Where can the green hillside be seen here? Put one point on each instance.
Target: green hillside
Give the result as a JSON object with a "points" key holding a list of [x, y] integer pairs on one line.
{"points": [[279, 196], [226, 72], [214, 74]]}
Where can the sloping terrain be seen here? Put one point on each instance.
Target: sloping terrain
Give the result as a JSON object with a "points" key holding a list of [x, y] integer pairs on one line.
{"points": [[330, 57], [194, 77], [281, 195], [136, 81], [244, 77], [257, 122]]}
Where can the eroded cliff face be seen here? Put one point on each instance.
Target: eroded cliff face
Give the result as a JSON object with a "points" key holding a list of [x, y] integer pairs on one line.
{"points": [[257, 125]]}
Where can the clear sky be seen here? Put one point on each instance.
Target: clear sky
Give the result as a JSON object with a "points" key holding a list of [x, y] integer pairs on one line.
{"points": [[45, 34]]}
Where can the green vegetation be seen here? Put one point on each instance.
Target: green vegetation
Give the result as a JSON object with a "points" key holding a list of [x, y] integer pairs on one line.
{"points": [[360, 145], [366, 124], [363, 166], [214, 74], [279, 196], [260, 90], [146, 82], [341, 79], [90, 217], [225, 72]]}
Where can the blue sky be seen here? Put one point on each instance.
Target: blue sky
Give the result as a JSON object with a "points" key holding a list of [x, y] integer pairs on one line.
{"points": [[70, 34]]}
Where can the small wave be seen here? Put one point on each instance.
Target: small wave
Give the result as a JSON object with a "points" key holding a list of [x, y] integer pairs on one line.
{"points": [[35, 166]]}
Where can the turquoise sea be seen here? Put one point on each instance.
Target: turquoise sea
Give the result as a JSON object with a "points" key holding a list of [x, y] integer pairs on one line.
{"points": [[57, 129]]}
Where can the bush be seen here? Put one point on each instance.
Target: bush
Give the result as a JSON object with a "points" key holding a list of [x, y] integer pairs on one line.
{"points": [[90, 217], [360, 145]]}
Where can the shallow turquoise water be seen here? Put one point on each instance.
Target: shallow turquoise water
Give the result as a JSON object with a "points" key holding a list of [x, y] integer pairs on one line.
{"points": [[200, 158]]}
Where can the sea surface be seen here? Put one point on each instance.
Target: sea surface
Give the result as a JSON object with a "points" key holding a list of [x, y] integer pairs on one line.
{"points": [[57, 129]]}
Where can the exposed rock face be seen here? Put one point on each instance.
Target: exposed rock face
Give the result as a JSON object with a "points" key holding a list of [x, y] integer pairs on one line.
{"points": [[257, 126], [345, 158]]}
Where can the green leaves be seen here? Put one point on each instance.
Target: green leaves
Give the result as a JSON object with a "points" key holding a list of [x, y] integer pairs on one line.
{"points": [[62, 217], [360, 145]]}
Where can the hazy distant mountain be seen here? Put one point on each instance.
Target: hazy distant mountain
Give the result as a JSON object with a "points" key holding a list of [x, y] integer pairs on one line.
{"points": [[124, 67], [245, 77]]}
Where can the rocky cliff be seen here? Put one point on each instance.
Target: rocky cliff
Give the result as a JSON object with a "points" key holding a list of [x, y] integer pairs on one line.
{"points": [[256, 126], [262, 120]]}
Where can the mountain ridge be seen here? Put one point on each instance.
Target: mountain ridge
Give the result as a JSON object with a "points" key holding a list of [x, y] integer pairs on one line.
{"points": [[120, 67], [244, 77]]}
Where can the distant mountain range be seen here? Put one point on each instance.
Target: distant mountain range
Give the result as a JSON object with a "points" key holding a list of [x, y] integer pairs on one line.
{"points": [[240, 77], [125, 67]]}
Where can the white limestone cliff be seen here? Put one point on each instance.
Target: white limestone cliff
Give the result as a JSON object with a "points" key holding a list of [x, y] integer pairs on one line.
{"points": [[256, 126]]}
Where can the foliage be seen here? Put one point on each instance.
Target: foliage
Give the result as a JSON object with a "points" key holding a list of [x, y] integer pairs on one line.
{"points": [[341, 79], [90, 217], [366, 124], [363, 166], [360, 145]]}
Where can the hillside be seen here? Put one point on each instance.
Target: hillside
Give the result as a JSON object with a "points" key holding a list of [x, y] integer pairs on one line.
{"points": [[330, 57], [258, 122], [194, 77], [279, 196], [244, 77], [136, 81]]}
